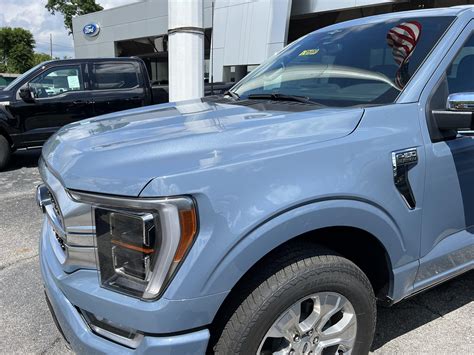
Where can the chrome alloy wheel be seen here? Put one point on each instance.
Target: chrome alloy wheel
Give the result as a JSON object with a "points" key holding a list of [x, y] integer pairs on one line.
{"points": [[322, 323]]}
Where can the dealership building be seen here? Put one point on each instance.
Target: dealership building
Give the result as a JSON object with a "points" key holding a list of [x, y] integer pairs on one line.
{"points": [[239, 34]]}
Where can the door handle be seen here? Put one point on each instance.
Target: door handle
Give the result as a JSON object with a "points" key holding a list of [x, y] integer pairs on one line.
{"points": [[402, 162]]}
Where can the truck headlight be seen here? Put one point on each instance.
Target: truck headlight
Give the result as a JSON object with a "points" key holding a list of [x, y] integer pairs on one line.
{"points": [[140, 242], [127, 245]]}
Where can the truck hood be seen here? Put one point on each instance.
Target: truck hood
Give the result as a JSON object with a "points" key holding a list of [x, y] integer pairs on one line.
{"points": [[120, 153]]}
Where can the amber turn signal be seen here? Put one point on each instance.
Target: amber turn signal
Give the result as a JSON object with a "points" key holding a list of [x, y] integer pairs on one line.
{"points": [[188, 224]]}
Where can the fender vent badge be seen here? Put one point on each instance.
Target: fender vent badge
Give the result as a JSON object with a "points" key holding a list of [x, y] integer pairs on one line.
{"points": [[402, 162]]}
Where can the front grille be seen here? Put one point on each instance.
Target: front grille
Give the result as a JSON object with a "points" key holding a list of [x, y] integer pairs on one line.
{"points": [[60, 241], [70, 234], [55, 205]]}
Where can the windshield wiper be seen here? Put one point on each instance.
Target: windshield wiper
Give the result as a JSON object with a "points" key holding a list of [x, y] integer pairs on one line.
{"points": [[283, 97], [232, 94]]}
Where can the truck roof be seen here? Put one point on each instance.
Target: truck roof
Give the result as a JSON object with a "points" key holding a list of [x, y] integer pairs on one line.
{"points": [[88, 60]]}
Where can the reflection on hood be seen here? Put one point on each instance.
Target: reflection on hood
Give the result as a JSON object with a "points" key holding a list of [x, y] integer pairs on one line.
{"points": [[120, 153]]}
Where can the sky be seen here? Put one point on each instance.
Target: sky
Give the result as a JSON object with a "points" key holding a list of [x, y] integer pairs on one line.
{"points": [[32, 15]]}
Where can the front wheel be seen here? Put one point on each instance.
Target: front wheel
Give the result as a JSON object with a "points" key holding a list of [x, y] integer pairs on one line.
{"points": [[321, 304], [5, 152]]}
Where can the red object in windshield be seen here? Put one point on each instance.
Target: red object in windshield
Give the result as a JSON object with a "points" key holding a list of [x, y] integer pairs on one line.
{"points": [[403, 39]]}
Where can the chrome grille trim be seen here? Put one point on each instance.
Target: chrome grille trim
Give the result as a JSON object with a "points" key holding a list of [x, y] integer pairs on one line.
{"points": [[80, 258], [54, 220], [80, 240], [72, 258], [76, 217], [84, 230], [71, 231], [71, 239]]}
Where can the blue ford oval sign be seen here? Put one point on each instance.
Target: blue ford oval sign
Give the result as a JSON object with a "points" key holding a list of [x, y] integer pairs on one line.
{"points": [[91, 29]]}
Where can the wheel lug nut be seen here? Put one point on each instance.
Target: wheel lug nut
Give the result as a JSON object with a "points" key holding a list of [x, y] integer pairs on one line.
{"points": [[296, 338], [315, 340], [310, 333], [292, 352]]}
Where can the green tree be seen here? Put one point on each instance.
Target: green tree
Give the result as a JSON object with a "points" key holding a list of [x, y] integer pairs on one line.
{"points": [[71, 8], [16, 49], [40, 58]]}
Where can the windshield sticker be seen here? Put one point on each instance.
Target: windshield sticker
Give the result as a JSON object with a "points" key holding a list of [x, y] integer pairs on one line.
{"points": [[403, 40], [309, 52]]}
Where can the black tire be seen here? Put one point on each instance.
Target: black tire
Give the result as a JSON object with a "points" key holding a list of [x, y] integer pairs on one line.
{"points": [[5, 152], [286, 278]]}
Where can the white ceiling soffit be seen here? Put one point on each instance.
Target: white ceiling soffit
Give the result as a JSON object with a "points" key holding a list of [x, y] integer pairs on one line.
{"points": [[302, 7]]}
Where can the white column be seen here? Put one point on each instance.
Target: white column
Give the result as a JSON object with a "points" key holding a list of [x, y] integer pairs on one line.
{"points": [[186, 49]]}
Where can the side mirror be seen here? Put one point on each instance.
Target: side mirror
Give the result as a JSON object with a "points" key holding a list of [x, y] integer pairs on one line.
{"points": [[458, 114], [26, 94], [461, 102]]}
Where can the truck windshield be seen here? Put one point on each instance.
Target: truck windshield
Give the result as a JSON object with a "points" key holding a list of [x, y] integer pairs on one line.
{"points": [[361, 65], [21, 77]]}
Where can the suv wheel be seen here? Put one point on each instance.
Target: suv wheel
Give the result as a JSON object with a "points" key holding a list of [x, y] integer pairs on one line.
{"points": [[308, 304], [5, 152]]}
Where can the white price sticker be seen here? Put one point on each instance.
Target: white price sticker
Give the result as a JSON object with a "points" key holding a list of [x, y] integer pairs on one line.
{"points": [[73, 82]]}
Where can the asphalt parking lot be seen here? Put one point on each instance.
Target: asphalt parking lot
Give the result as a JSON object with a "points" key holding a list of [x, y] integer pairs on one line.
{"points": [[439, 321]]}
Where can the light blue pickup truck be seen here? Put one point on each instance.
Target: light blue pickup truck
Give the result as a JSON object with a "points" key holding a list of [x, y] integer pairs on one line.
{"points": [[337, 174]]}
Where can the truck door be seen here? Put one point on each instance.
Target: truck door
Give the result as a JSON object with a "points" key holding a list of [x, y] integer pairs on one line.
{"points": [[116, 86], [60, 98], [447, 245]]}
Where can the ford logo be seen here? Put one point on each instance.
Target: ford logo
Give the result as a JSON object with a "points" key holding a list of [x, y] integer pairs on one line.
{"points": [[91, 29]]}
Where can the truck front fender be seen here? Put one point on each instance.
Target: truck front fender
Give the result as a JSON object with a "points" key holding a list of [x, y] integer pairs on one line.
{"points": [[249, 249]]}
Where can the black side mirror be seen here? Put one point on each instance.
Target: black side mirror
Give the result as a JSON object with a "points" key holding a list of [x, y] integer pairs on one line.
{"points": [[458, 114], [26, 94]]}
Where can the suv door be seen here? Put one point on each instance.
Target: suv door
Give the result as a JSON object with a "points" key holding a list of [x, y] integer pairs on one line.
{"points": [[447, 245], [116, 86], [60, 98]]}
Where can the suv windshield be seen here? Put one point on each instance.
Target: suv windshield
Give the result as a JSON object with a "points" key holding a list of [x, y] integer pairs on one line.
{"points": [[361, 65]]}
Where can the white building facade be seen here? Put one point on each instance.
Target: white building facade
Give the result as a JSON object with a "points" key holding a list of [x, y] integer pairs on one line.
{"points": [[239, 34]]}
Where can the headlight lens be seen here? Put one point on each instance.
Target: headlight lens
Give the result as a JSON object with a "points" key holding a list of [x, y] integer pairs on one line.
{"points": [[127, 245], [140, 242]]}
